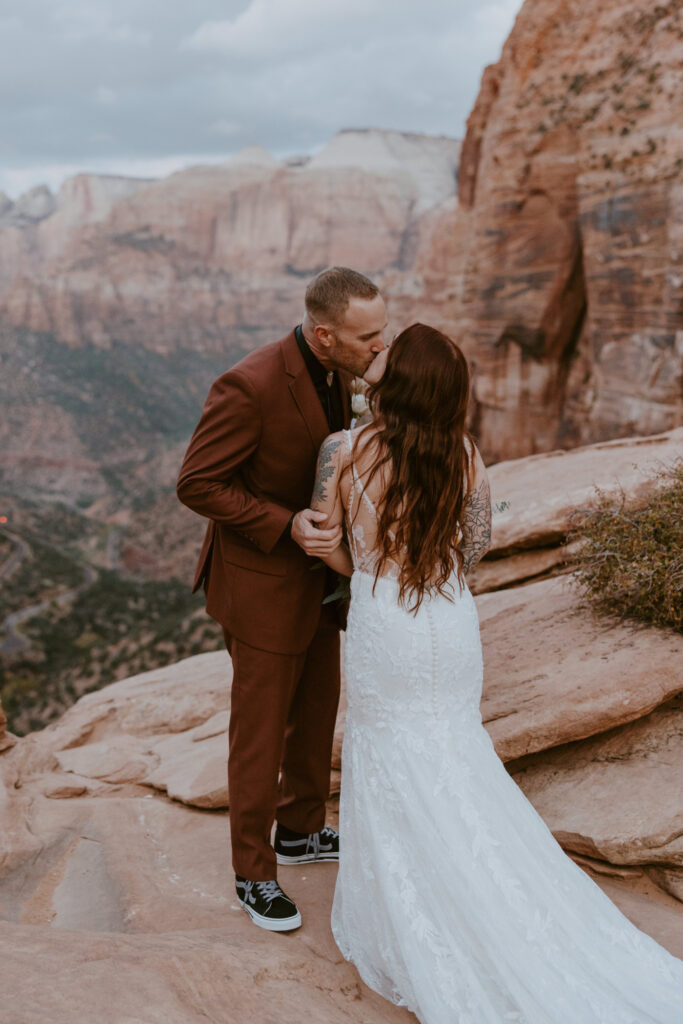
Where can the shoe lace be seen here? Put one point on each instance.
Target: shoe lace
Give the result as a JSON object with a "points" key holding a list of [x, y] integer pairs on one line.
{"points": [[316, 838], [268, 890]]}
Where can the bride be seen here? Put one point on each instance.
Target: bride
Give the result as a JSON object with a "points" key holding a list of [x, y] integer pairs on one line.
{"points": [[453, 898]]}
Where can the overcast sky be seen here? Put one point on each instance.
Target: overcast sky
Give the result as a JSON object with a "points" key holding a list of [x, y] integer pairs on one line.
{"points": [[146, 86]]}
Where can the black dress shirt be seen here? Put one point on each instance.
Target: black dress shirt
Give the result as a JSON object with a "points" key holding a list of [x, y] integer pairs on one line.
{"points": [[329, 394]]}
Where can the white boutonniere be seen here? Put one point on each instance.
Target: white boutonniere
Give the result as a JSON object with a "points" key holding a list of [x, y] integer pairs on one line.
{"points": [[359, 402]]}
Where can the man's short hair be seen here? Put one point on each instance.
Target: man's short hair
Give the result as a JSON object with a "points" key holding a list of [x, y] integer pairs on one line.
{"points": [[328, 294]]}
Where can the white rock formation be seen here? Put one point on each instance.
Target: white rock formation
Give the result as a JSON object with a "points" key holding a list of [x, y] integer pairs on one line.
{"points": [[429, 163]]}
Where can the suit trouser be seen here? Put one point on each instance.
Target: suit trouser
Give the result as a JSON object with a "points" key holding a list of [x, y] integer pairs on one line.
{"points": [[282, 719]]}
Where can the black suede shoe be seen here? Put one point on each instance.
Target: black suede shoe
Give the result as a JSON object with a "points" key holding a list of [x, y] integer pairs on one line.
{"points": [[267, 905], [295, 848]]}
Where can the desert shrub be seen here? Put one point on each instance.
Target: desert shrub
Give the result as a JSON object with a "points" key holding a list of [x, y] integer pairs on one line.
{"points": [[631, 559]]}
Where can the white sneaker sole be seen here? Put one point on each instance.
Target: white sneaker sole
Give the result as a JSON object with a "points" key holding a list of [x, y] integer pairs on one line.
{"points": [[305, 858], [272, 924]]}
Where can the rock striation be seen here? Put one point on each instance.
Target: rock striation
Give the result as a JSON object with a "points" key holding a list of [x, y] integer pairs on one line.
{"points": [[560, 270]]}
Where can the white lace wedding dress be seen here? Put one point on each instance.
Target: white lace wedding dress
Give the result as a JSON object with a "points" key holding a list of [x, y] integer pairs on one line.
{"points": [[453, 898]]}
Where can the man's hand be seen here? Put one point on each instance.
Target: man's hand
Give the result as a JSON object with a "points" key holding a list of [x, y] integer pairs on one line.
{"points": [[314, 540]]}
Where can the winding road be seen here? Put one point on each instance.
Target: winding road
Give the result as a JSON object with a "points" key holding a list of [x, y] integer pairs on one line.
{"points": [[14, 639], [21, 550]]}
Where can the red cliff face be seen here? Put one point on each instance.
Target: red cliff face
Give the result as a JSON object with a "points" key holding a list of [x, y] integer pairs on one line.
{"points": [[560, 272]]}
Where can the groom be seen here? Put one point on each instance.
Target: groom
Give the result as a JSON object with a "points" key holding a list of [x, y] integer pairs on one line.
{"points": [[250, 468]]}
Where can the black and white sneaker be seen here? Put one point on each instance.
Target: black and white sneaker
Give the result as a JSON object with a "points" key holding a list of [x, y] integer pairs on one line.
{"points": [[294, 848], [267, 905]]}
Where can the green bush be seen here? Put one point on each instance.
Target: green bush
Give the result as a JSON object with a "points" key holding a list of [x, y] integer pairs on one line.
{"points": [[631, 559]]}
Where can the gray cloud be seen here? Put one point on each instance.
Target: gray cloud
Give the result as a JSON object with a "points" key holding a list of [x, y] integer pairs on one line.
{"points": [[144, 88]]}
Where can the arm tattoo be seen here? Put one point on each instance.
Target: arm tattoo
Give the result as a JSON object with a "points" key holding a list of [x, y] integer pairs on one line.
{"points": [[476, 525], [325, 469]]}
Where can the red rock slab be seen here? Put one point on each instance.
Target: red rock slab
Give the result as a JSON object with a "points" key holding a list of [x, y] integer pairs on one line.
{"points": [[125, 911], [544, 491], [521, 567], [166, 728], [647, 907], [617, 796], [555, 671]]}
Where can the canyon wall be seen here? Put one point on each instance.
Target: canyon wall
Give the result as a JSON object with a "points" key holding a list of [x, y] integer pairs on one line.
{"points": [[560, 269]]}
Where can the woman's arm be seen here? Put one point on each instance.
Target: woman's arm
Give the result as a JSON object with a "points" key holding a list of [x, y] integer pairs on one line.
{"points": [[326, 498], [340, 560], [476, 520]]}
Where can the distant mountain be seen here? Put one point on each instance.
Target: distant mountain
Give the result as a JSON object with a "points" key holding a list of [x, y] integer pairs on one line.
{"points": [[215, 257]]}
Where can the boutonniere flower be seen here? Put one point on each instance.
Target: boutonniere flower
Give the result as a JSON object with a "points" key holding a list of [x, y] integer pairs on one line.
{"points": [[359, 402]]}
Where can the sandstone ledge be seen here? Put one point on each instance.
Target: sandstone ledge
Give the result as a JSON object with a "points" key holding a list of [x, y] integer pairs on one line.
{"points": [[617, 796], [555, 671]]}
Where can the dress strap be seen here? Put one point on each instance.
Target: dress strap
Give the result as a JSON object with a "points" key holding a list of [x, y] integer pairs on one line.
{"points": [[356, 482], [354, 472], [358, 539], [356, 478]]}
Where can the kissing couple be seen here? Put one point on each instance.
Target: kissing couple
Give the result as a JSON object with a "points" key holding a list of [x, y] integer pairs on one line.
{"points": [[452, 898]]}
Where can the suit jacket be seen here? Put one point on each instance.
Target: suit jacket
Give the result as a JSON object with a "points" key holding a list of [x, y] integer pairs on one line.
{"points": [[250, 464]]}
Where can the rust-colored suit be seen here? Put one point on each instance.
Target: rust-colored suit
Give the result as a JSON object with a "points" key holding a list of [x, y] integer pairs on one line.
{"points": [[249, 465]]}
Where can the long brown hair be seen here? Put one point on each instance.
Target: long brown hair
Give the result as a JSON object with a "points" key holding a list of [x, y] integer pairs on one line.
{"points": [[419, 406]]}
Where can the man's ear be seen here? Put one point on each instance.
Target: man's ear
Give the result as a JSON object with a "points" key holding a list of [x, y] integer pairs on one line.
{"points": [[324, 335]]}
